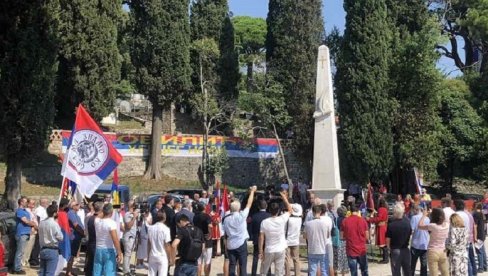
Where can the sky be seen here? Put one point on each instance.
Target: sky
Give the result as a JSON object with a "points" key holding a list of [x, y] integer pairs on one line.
{"points": [[334, 15]]}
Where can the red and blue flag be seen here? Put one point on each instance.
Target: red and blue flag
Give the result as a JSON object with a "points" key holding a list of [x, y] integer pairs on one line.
{"points": [[90, 157], [65, 244]]}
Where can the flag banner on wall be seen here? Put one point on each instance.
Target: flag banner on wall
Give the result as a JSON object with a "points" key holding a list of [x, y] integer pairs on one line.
{"points": [[188, 145]]}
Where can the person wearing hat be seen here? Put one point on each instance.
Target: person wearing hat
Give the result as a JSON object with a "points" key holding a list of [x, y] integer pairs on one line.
{"points": [[292, 234]]}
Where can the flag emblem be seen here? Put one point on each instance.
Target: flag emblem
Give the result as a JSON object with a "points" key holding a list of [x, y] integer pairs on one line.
{"points": [[88, 152]]}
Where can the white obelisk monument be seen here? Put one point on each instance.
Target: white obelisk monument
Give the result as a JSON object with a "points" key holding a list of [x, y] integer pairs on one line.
{"points": [[326, 180]]}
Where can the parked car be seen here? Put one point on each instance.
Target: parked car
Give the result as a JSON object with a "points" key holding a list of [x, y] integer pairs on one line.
{"points": [[105, 189], [7, 229], [186, 192], [151, 200]]}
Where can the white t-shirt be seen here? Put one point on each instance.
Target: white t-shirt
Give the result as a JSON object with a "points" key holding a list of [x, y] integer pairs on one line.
{"points": [[274, 233], [41, 213], [448, 211], [158, 235], [294, 227], [317, 230], [328, 221], [103, 228]]}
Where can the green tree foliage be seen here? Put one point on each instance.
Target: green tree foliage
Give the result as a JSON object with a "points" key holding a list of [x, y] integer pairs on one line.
{"points": [[161, 56], [126, 85], [364, 105], [462, 136], [295, 30], [210, 20], [28, 66], [414, 85], [89, 58], [250, 33]]}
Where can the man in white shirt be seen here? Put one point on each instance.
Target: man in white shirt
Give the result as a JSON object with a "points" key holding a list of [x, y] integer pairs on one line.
{"points": [[41, 214], [108, 251], [159, 237], [317, 231], [446, 207], [272, 234], [235, 226], [293, 228]]}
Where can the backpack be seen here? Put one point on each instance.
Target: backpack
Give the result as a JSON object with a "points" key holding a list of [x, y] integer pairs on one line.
{"points": [[194, 249]]}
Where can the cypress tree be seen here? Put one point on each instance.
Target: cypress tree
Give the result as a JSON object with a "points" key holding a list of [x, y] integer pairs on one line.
{"points": [[210, 19], [89, 57], [161, 56], [364, 105], [415, 85], [28, 65], [295, 30]]}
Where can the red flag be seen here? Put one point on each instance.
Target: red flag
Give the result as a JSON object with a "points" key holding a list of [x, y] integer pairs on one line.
{"points": [[369, 197], [225, 200]]}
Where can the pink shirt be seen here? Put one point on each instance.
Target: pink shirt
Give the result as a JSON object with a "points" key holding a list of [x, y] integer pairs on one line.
{"points": [[438, 235]]}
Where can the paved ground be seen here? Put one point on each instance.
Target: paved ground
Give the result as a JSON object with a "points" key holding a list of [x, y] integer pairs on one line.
{"points": [[375, 269]]}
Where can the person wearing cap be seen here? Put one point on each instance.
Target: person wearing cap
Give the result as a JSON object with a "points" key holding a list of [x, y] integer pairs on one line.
{"points": [[292, 235]]}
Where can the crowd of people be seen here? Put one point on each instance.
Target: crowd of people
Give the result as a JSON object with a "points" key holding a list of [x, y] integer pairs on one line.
{"points": [[189, 234]]}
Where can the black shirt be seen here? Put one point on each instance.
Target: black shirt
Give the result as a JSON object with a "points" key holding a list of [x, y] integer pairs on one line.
{"points": [[170, 220], [480, 225], [183, 234], [92, 233], [201, 220], [399, 232]]}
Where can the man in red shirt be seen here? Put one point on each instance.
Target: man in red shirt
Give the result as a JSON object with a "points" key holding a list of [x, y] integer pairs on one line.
{"points": [[354, 230]]}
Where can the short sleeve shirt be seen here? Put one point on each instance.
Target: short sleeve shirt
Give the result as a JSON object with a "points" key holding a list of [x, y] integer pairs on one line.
{"points": [[74, 219], [480, 225], [129, 232], [354, 229], [438, 235], [317, 231], [398, 232], [103, 227], [202, 220], [235, 227], [22, 228], [274, 233], [158, 235]]}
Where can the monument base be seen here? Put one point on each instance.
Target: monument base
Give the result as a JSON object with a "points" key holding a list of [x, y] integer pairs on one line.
{"points": [[336, 195]]}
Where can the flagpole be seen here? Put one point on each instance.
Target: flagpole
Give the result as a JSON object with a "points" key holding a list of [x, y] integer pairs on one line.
{"points": [[65, 163], [61, 191]]}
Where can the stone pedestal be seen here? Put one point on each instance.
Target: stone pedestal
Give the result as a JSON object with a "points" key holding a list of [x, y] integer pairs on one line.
{"points": [[326, 181]]}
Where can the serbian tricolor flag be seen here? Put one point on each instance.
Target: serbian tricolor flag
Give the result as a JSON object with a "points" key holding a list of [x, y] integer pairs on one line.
{"points": [[65, 244], [90, 157], [369, 197]]}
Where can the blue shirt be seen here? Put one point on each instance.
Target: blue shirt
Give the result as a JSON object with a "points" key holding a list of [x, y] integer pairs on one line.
{"points": [[420, 238], [74, 219], [22, 228], [235, 227]]}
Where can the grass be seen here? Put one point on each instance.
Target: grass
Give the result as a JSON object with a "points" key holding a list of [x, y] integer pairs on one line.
{"points": [[125, 124]]}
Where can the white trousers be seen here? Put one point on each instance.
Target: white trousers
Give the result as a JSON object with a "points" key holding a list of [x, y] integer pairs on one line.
{"points": [[158, 265]]}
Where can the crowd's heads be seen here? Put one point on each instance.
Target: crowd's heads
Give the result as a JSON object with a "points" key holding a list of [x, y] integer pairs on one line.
{"points": [[478, 206], [354, 208], [446, 202], [437, 216], [63, 204], [459, 204], [22, 202], [200, 207], [398, 212], [324, 209], [296, 210], [408, 197], [399, 197], [97, 206], [274, 209], [168, 199], [107, 210], [196, 197], [204, 194], [382, 203], [51, 210], [182, 220], [341, 211], [160, 217], [44, 202], [187, 204], [235, 206], [415, 208], [74, 205], [262, 204], [330, 205], [159, 204], [456, 221], [316, 210]]}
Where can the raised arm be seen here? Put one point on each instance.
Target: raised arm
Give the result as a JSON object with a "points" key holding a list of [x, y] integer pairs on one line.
{"points": [[250, 200], [284, 196]]}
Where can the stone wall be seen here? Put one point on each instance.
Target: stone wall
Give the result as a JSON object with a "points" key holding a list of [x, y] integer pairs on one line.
{"points": [[242, 172]]}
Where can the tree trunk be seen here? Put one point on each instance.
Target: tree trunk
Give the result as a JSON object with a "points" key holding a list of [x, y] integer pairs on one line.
{"points": [[154, 167], [13, 181], [282, 154], [250, 82]]}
